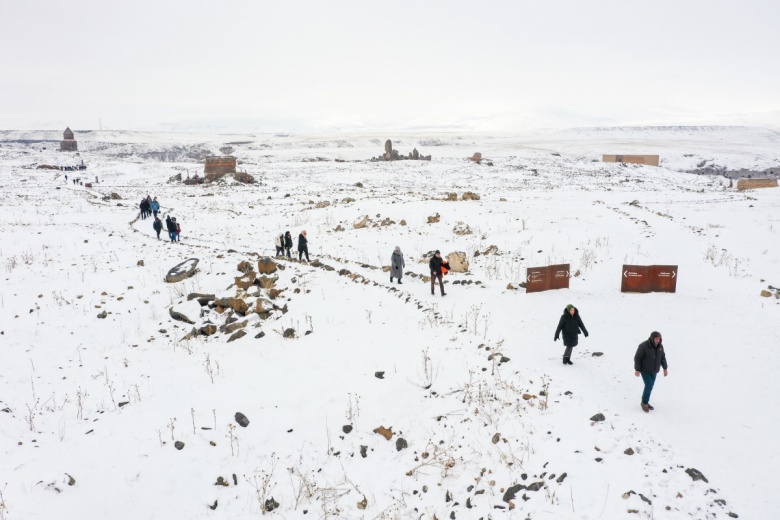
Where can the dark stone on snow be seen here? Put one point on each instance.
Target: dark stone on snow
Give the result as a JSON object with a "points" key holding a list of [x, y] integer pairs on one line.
{"points": [[561, 478], [182, 271], [695, 474], [363, 451], [598, 417], [379, 375], [102, 315], [346, 428], [524, 476], [237, 335], [597, 354], [260, 334], [512, 491], [270, 504], [536, 486], [201, 296], [288, 333], [629, 451], [241, 419], [178, 445], [401, 444]]}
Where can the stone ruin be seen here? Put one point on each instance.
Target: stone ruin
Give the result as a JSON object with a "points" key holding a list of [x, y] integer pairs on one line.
{"points": [[394, 155], [216, 168], [68, 143]]}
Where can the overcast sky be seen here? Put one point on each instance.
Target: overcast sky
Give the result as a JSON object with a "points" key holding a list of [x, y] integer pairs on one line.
{"points": [[366, 64]]}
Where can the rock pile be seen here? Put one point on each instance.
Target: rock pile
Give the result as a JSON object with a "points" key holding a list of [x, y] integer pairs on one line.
{"points": [[393, 155]]}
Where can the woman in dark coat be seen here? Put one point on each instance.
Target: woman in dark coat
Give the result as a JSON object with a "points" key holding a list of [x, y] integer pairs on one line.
{"points": [[397, 264], [570, 325], [303, 246]]}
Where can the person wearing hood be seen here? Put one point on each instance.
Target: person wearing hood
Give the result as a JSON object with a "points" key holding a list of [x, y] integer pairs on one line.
{"points": [[154, 206], [170, 226], [288, 243], [570, 326], [303, 246], [650, 357], [435, 265], [397, 264]]}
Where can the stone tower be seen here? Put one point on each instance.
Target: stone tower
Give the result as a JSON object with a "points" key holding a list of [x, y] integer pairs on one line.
{"points": [[68, 143]]}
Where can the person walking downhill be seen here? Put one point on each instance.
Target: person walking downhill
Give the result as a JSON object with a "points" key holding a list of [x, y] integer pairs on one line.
{"points": [[157, 226], [178, 230], [436, 264], [570, 325], [154, 206], [648, 360], [397, 264], [144, 206], [288, 243], [170, 226], [303, 246], [279, 243]]}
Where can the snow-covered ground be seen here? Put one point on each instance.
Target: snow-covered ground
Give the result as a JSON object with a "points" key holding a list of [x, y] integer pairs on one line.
{"points": [[472, 382]]}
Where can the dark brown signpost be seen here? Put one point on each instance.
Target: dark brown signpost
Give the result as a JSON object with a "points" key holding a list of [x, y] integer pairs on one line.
{"points": [[649, 278], [545, 278]]}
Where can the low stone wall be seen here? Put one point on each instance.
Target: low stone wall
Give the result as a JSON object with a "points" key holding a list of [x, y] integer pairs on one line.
{"points": [[650, 160], [751, 184]]}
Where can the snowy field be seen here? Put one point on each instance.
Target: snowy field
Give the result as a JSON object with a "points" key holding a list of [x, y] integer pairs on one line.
{"points": [[486, 421]]}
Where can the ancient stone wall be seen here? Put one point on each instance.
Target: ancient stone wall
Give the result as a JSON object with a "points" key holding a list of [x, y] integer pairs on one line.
{"points": [[650, 160], [217, 167], [750, 184]]}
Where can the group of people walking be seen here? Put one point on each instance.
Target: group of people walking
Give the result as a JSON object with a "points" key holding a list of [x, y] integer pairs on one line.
{"points": [[149, 207], [649, 359], [173, 227], [284, 244]]}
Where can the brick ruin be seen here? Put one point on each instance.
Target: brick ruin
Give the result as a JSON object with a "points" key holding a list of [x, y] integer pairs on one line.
{"points": [[650, 160], [219, 166], [68, 143]]}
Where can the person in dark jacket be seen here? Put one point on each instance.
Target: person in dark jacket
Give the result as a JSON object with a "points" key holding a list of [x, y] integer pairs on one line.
{"points": [[144, 206], [570, 325], [648, 360], [397, 264], [303, 246], [157, 226], [288, 243], [170, 225], [435, 266]]}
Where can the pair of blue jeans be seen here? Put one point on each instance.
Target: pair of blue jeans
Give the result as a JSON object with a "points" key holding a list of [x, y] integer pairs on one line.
{"points": [[649, 380]]}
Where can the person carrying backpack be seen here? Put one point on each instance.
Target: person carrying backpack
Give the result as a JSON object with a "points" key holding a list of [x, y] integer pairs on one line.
{"points": [[303, 246], [154, 206]]}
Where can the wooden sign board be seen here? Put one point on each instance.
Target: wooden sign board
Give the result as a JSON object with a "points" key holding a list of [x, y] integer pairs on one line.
{"points": [[540, 279], [649, 278]]}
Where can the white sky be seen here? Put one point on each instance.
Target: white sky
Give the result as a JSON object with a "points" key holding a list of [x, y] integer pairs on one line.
{"points": [[362, 65]]}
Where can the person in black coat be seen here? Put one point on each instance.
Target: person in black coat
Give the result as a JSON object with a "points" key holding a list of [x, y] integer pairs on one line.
{"points": [[144, 207], [648, 360], [157, 226], [435, 266], [170, 225], [288, 243], [303, 246], [570, 325]]}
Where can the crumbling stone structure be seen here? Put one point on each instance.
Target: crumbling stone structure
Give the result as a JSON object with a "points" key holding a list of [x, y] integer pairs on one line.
{"points": [[68, 143], [219, 166], [393, 155]]}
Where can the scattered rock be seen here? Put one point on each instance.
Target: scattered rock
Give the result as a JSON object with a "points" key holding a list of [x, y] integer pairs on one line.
{"points": [[246, 281], [237, 304], [347, 428], [363, 451], [71, 480], [288, 333], [387, 433], [178, 445], [260, 335], [469, 195], [102, 315], [451, 197], [695, 474], [241, 419], [496, 438], [597, 354], [458, 262], [512, 491], [270, 504], [561, 478], [401, 444], [221, 482], [629, 451], [363, 503], [598, 417], [379, 375], [535, 486], [765, 293], [208, 329], [434, 218], [140, 263], [266, 266], [244, 267], [461, 229], [236, 335], [188, 312], [182, 271], [115, 196], [365, 221]]}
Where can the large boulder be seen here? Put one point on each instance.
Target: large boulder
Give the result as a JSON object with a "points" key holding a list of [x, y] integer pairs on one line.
{"points": [[182, 271], [458, 262], [246, 281], [237, 304], [266, 266], [188, 312]]}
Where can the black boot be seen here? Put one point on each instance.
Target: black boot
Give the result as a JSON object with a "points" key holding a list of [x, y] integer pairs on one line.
{"points": [[568, 361], [399, 281], [565, 360], [391, 279]]}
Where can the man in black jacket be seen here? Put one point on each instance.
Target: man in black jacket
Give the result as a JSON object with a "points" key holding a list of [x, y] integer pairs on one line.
{"points": [[303, 246], [170, 225], [649, 359], [288, 243], [435, 265]]}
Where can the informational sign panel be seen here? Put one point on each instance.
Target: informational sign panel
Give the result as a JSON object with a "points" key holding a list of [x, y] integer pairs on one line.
{"points": [[545, 278], [649, 278]]}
